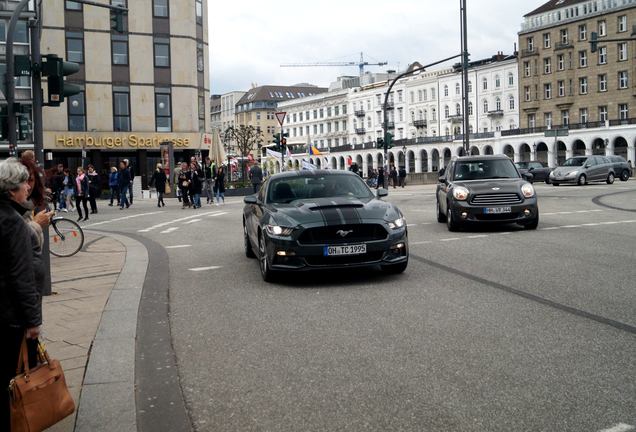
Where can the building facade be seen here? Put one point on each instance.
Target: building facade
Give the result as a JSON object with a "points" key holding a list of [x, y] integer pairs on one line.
{"points": [[564, 83], [140, 88]]}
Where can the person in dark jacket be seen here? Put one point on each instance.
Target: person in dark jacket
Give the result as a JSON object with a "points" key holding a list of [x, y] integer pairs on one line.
{"points": [[94, 188], [219, 185], [113, 184], [81, 193], [256, 176], [402, 176], [123, 184], [159, 179], [380, 182], [196, 184], [20, 301], [208, 175], [184, 184], [393, 174]]}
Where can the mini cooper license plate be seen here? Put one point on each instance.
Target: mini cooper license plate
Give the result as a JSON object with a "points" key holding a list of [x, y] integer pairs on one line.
{"points": [[497, 210], [356, 249]]}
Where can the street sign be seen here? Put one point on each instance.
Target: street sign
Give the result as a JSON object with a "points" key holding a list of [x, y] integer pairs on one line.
{"points": [[22, 65], [556, 132], [280, 116]]}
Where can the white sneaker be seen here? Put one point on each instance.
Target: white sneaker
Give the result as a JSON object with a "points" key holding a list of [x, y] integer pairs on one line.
{"points": [[65, 210]]}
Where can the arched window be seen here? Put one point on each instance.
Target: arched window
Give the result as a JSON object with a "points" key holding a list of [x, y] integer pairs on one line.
{"points": [[458, 89], [511, 79], [497, 81], [369, 122], [512, 124], [470, 108], [445, 90], [498, 104], [420, 115], [446, 112], [484, 83], [458, 109], [485, 106], [511, 102]]}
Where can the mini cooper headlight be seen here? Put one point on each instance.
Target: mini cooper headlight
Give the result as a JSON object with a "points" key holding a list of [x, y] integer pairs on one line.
{"points": [[397, 224], [460, 193], [527, 190], [280, 231]]}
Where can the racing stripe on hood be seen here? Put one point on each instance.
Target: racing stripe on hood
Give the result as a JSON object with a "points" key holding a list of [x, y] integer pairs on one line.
{"points": [[350, 215], [333, 214]]}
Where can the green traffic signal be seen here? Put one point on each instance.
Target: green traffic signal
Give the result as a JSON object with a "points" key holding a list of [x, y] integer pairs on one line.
{"points": [[56, 69], [593, 41], [380, 143]]}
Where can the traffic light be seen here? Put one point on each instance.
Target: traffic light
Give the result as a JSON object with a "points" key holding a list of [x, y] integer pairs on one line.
{"points": [[283, 140], [380, 143], [25, 125], [593, 41], [117, 20], [389, 140], [276, 142], [56, 69]]}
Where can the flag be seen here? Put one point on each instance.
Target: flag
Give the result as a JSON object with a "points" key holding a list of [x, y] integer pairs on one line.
{"points": [[313, 150], [288, 152], [273, 154], [306, 165]]}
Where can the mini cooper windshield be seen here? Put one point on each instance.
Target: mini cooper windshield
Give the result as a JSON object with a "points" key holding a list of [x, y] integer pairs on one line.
{"points": [[485, 169], [288, 189]]}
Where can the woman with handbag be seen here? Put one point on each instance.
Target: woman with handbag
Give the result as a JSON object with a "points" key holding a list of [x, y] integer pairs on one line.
{"points": [[20, 300], [159, 179]]}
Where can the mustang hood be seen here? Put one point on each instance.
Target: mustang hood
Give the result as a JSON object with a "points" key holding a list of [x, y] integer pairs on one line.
{"points": [[333, 211]]}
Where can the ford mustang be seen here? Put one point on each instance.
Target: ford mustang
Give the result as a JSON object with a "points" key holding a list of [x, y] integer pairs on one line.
{"points": [[306, 220]]}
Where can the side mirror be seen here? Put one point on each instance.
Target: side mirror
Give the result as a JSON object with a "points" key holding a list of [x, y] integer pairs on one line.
{"points": [[441, 172], [528, 176], [250, 199], [531, 169], [382, 193]]}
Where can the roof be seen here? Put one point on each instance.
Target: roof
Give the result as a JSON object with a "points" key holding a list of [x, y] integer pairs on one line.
{"points": [[279, 93], [480, 157], [552, 5], [311, 173]]}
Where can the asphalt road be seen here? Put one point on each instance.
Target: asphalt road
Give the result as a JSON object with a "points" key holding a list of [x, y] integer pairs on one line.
{"points": [[495, 329]]}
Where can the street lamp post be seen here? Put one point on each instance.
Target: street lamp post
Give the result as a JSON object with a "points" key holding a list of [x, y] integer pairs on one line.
{"points": [[404, 149], [534, 151]]}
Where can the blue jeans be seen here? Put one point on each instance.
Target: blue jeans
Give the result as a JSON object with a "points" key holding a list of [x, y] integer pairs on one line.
{"points": [[220, 195], [61, 199], [123, 199], [114, 193], [196, 200]]}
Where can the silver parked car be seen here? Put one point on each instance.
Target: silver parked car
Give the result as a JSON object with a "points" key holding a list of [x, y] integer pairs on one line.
{"points": [[584, 169]]}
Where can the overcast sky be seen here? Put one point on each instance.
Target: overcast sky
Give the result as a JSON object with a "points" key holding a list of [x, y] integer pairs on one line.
{"points": [[249, 39]]}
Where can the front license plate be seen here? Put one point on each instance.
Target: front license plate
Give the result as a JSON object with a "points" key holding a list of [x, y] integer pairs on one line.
{"points": [[497, 210], [356, 249]]}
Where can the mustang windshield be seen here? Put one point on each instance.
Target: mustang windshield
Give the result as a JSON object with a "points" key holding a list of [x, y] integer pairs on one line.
{"points": [[287, 189], [485, 169]]}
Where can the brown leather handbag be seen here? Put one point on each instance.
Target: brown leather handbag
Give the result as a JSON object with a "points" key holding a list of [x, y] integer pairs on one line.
{"points": [[39, 396]]}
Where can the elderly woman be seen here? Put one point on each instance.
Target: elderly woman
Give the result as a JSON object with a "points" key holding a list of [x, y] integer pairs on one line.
{"points": [[20, 300]]}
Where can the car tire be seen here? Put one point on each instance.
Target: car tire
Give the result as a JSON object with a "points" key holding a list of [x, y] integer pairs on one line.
{"points": [[249, 252], [451, 222], [555, 184], [441, 217], [395, 268], [547, 180], [266, 272], [610, 178], [582, 180], [625, 175], [532, 225]]}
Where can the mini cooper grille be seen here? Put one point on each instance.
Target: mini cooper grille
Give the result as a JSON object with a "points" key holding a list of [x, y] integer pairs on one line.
{"points": [[495, 199], [355, 234]]}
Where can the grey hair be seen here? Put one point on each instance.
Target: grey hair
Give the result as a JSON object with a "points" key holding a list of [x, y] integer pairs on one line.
{"points": [[12, 175]]}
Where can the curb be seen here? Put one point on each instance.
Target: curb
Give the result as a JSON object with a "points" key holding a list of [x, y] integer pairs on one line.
{"points": [[107, 401]]}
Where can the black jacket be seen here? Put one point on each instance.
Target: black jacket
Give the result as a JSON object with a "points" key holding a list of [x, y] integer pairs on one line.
{"points": [[159, 180], [123, 179], [20, 301]]}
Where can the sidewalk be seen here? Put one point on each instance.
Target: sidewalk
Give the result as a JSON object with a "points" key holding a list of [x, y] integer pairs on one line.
{"points": [[78, 322]]}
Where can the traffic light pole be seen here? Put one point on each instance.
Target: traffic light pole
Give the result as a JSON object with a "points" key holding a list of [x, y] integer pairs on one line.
{"points": [[466, 144], [10, 74], [36, 85]]}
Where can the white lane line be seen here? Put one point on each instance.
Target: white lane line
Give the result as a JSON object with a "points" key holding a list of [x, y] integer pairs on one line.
{"points": [[450, 239], [477, 236], [178, 246], [217, 214], [620, 427], [571, 226], [163, 224], [410, 225], [549, 229], [427, 223], [169, 230], [192, 221], [420, 243], [199, 269], [122, 218], [590, 224]]}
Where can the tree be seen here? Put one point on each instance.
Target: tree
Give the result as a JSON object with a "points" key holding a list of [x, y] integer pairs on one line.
{"points": [[247, 138]]}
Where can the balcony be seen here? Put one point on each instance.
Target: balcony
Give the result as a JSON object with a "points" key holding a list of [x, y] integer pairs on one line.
{"points": [[563, 45], [495, 113], [420, 123], [529, 52], [360, 131], [390, 125], [359, 113], [456, 118]]}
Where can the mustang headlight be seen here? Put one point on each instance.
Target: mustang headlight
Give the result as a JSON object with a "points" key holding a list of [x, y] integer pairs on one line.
{"points": [[527, 190], [397, 224], [460, 193], [279, 231]]}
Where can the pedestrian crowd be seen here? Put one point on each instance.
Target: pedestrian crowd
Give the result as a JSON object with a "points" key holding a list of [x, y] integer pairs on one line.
{"points": [[193, 180]]}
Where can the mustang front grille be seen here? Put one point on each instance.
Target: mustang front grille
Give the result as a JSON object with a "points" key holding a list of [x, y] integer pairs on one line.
{"points": [[344, 259], [340, 234], [496, 199]]}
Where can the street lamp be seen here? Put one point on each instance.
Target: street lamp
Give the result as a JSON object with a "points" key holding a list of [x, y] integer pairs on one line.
{"points": [[534, 151], [404, 149]]}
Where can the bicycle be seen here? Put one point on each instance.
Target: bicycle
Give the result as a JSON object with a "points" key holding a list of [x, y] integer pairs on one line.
{"points": [[66, 237]]}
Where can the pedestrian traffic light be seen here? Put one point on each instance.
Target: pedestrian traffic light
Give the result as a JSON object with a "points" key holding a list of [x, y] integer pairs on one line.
{"points": [[593, 41], [56, 69], [380, 143], [117, 20], [389, 140]]}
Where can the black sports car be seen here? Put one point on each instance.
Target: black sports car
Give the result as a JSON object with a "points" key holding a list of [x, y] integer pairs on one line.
{"points": [[485, 189], [306, 220]]}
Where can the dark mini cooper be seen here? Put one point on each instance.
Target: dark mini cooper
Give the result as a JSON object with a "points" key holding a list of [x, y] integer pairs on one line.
{"points": [[485, 189], [306, 220]]}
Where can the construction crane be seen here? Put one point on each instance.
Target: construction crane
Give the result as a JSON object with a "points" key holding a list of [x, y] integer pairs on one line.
{"points": [[361, 64]]}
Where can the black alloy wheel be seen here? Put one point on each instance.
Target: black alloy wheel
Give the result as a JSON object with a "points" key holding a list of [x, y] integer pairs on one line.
{"points": [[266, 272], [451, 223]]}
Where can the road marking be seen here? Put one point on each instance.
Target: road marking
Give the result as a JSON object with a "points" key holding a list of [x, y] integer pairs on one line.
{"points": [[427, 223], [408, 225], [169, 230], [178, 246], [549, 228], [420, 242], [122, 218], [477, 236], [571, 226], [450, 239], [192, 221], [620, 427], [199, 269], [163, 224], [217, 214]]}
